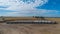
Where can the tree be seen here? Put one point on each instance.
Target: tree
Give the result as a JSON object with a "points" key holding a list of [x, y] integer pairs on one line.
{"points": [[42, 18], [3, 19], [38, 17]]}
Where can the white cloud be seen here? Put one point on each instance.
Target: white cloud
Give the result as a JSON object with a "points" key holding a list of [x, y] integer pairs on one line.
{"points": [[40, 12], [20, 5], [22, 9]]}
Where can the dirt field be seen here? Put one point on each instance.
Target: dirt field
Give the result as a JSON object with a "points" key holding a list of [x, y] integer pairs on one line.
{"points": [[31, 28]]}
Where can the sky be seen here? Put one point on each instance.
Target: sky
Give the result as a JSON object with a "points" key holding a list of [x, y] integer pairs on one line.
{"points": [[46, 8]]}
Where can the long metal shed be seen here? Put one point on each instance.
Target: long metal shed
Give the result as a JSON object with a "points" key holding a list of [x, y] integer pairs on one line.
{"points": [[31, 22]]}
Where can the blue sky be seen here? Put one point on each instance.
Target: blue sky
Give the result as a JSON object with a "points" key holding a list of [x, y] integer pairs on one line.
{"points": [[47, 8], [51, 5]]}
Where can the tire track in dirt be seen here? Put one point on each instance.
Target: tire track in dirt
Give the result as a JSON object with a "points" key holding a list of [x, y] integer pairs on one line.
{"points": [[29, 29]]}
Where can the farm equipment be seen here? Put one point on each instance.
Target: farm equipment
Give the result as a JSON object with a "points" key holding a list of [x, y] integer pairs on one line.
{"points": [[27, 20]]}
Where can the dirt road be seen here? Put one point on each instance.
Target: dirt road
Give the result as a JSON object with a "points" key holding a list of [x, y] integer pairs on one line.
{"points": [[29, 28]]}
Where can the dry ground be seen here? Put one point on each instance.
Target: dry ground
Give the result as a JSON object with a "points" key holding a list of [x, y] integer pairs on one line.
{"points": [[31, 28]]}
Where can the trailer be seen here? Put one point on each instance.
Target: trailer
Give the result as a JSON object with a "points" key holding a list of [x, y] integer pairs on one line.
{"points": [[31, 22]]}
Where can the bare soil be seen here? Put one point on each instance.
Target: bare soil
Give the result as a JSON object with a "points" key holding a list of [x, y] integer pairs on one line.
{"points": [[30, 28]]}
